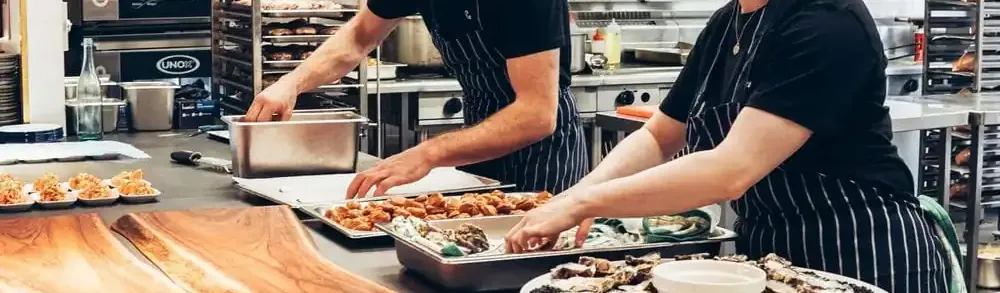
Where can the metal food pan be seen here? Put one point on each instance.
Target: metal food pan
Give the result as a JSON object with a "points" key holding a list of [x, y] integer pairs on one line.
{"points": [[495, 271], [312, 142], [318, 211]]}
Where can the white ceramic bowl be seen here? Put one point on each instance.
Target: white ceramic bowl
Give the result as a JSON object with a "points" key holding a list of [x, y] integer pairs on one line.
{"points": [[708, 276], [141, 198]]}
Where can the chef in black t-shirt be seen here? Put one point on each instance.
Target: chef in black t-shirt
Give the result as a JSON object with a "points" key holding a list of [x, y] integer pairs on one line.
{"points": [[512, 60], [780, 110]]}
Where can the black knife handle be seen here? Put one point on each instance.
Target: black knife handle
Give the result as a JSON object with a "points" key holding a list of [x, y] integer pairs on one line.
{"points": [[186, 157]]}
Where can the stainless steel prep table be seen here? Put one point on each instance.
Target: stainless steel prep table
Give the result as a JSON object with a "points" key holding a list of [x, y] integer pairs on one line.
{"points": [[187, 188]]}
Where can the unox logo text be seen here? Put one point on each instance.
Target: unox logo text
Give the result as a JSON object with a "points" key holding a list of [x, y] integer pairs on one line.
{"points": [[178, 64]]}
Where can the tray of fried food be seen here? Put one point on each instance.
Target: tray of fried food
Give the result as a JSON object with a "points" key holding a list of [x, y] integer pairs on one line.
{"points": [[13, 197], [357, 219]]}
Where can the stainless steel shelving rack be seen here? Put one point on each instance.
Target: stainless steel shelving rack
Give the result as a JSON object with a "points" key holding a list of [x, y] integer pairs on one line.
{"points": [[948, 29], [238, 42]]}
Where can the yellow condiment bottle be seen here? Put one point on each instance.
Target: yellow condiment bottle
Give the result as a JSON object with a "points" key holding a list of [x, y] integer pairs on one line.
{"points": [[613, 44]]}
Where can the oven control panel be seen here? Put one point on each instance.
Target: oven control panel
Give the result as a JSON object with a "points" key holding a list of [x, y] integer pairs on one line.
{"points": [[440, 106], [611, 97]]}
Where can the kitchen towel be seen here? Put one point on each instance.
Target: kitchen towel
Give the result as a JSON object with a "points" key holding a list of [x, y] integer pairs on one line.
{"points": [[945, 229]]}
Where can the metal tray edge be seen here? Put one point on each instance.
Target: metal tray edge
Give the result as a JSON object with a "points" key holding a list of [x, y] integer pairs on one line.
{"points": [[437, 257]]}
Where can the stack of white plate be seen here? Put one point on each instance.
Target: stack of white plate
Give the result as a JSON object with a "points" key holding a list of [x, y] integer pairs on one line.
{"points": [[10, 89]]}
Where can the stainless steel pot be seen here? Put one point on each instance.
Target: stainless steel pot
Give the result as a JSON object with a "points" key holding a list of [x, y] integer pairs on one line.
{"points": [[410, 43], [151, 104], [578, 43]]}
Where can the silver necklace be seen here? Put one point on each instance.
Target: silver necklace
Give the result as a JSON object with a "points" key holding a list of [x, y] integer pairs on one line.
{"points": [[739, 34]]}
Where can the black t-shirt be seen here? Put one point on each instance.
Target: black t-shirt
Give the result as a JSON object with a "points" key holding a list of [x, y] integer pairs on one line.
{"points": [[515, 27], [821, 65]]}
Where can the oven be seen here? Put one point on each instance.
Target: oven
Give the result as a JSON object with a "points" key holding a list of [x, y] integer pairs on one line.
{"points": [[149, 40]]}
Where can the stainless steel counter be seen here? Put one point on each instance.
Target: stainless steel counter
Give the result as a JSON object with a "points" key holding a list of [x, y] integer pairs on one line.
{"points": [[188, 188], [629, 76], [446, 84]]}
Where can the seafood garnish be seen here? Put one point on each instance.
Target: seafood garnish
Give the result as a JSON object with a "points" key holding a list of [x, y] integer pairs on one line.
{"points": [[570, 270], [467, 239], [633, 275]]}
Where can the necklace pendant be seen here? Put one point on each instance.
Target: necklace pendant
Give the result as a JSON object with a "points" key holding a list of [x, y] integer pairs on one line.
{"points": [[736, 49]]}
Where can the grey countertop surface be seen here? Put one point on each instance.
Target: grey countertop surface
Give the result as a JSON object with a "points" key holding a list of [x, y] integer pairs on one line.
{"points": [[186, 187]]}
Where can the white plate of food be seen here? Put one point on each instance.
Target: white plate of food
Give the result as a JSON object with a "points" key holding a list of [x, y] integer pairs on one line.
{"points": [[124, 176], [546, 284], [22, 202], [82, 181], [138, 192], [99, 196], [54, 198]]}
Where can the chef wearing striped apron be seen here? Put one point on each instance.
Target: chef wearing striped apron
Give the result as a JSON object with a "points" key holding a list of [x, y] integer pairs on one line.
{"points": [[780, 110], [512, 60]]}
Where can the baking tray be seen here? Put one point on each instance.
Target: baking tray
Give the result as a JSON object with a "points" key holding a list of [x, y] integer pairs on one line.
{"points": [[283, 64], [318, 211], [279, 196], [491, 271], [296, 39]]}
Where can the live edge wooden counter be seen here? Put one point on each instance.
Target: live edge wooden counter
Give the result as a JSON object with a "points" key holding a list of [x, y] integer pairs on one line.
{"points": [[188, 188]]}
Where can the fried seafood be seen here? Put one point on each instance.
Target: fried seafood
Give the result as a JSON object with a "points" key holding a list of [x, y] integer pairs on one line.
{"points": [[140, 187], [82, 181], [52, 193], [124, 176], [46, 180], [96, 192], [434, 207], [11, 191]]}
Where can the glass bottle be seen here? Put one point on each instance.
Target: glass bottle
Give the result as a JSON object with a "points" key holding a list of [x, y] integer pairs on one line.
{"points": [[89, 97]]}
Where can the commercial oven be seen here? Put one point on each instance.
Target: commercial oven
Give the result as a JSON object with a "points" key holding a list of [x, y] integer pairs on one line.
{"points": [[149, 40]]}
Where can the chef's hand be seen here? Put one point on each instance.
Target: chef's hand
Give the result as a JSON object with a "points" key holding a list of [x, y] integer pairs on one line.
{"points": [[403, 168], [543, 225], [277, 99]]}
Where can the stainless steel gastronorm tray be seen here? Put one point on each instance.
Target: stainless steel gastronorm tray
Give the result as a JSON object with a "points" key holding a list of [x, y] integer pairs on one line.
{"points": [[318, 211], [509, 271]]}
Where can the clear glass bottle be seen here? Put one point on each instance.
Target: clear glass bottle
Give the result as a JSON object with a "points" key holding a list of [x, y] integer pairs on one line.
{"points": [[89, 97]]}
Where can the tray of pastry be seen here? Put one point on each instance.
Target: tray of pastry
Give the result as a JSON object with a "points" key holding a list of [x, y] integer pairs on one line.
{"points": [[489, 268], [294, 8], [297, 31], [288, 56], [357, 219]]}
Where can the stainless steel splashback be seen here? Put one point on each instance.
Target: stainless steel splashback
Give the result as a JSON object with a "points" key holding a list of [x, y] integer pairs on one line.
{"points": [[656, 23]]}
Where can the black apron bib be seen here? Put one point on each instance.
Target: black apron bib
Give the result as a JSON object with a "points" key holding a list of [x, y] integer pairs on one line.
{"points": [[553, 164], [818, 221]]}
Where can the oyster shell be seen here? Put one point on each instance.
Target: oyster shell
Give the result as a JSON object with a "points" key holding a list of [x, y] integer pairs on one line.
{"points": [[571, 270]]}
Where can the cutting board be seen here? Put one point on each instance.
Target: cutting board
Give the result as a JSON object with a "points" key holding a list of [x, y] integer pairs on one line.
{"points": [[260, 249], [645, 111], [71, 254], [315, 189]]}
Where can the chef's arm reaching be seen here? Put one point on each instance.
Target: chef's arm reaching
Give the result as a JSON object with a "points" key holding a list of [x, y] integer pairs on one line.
{"points": [[330, 62], [756, 144], [529, 119], [652, 145]]}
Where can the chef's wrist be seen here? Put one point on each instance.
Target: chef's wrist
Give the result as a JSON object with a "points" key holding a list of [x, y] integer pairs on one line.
{"points": [[582, 207]]}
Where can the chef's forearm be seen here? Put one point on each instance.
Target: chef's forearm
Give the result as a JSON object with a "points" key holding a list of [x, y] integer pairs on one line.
{"points": [[341, 53], [684, 184], [516, 126], [639, 151]]}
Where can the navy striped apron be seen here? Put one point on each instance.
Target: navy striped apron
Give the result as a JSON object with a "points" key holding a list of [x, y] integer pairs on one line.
{"points": [[554, 163], [819, 221]]}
